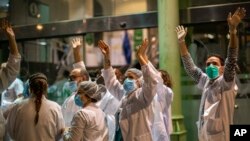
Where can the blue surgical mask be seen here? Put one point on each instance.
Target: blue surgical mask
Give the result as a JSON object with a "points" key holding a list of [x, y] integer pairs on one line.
{"points": [[212, 71], [72, 86], [78, 101], [129, 85]]}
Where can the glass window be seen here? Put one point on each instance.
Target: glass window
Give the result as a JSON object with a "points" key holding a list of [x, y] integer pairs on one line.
{"points": [[47, 11]]}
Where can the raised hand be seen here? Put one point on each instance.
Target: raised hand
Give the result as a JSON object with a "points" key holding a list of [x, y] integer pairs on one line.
{"points": [[235, 19], [181, 33], [104, 48], [141, 52], [6, 27], [106, 53], [76, 42]]}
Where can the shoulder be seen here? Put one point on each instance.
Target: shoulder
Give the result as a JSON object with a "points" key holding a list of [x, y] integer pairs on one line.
{"points": [[52, 104]]}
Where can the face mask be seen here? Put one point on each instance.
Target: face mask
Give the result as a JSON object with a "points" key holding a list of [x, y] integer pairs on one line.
{"points": [[129, 85], [78, 101], [212, 71], [72, 86]]}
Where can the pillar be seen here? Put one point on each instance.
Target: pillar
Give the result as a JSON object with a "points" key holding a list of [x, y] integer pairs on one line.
{"points": [[168, 19]]}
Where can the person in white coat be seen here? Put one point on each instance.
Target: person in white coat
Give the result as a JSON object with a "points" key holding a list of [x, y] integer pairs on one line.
{"points": [[164, 99], [36, 118], [77, 75], [217, 84], [137, 111], [13, 92], [88, 124], [9, 72]]}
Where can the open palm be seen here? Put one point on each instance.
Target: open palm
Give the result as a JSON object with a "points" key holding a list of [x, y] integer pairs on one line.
{"points": [[103, 47], [181, 32], [76, 42], [235, 19]]}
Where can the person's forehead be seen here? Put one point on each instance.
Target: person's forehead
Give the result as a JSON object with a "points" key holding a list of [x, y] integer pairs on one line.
{"points": [[213, 59], [131, 74], [75, 71]]}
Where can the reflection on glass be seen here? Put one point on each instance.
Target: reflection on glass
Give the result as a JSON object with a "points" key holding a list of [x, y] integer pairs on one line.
{"points": [[33, 12]]}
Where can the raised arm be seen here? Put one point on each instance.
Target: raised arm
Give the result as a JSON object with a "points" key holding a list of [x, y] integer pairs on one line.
{"points": [[231, 61], [12, 68], [106, 53], [76, 45], [11, 37], [191, 69], [181, 34], [150, 76], [141, 53], [111, 82]]}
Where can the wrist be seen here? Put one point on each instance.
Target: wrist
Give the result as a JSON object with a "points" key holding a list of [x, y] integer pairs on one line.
{"points": [[11, 37], [233, 31], [181, 41], [106, 57]]}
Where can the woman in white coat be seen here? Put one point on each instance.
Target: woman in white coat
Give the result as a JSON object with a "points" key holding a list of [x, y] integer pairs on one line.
{"points": [[36, 118], [88, 124]]}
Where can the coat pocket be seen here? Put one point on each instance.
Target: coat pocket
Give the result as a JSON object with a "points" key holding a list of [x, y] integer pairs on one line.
{"points": [[214, 126]]}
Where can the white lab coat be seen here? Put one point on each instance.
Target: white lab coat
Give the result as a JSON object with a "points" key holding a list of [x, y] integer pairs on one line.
{"points": [[162, 113], [69, 109], [88, 124], [7, 76], [218, 98], [137, 109], [21, 126], [218, 101], [10, 94]]}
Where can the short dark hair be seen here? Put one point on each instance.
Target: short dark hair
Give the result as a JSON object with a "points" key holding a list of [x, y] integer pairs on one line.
{"points": [[222, 61], [166, 78]]}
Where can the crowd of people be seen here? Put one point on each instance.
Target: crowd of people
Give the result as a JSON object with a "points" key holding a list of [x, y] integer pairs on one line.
{"points": [[134, 106]]}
